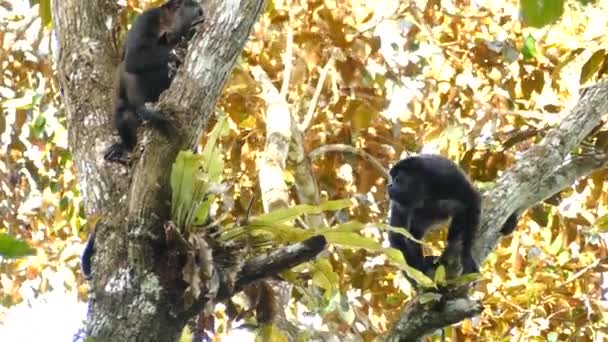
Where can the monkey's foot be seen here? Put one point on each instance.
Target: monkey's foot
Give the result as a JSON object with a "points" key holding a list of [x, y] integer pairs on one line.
{"points": [[116, 153]]}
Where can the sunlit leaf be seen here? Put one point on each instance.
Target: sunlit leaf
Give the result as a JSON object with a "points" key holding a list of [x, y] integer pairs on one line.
{"points": [[556, 245], [289, 214], [429, 297], [592, 66], [279, 233], [529, 49], [14, 248], [538, 13], [602, 223], [396, 257], [324, 276], [45, 12], [440, 278], [352, 240]]}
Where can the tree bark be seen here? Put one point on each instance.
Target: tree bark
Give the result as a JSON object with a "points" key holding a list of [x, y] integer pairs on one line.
{"points": [[135, 296]]}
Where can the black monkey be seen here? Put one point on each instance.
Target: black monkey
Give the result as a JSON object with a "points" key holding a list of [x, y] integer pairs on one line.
{"points": [[425, 190], [143, 73], [87, 255]]}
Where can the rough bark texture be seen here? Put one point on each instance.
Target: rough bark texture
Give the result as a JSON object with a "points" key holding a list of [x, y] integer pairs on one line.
{"points": [[424, 319], [542, 171], [520, 186], [135, 297]]}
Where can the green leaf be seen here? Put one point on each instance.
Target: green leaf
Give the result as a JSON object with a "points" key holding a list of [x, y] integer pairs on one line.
{"points": [[538, 13], [280, 233], [195, 180], [396, 257], [324, 275], [552, 337], [213, 161], [14, 248], [403, 232], [602, 223], [464, 279], [440, 278], [591, 67], [429, 297], [350, 226], [556, 245], [45, 13], [289, 214], [352, 240], [529, 49]]}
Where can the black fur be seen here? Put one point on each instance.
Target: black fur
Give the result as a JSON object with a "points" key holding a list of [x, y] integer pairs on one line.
{"points": [[143, 73], [428, 189], [87, 256]]}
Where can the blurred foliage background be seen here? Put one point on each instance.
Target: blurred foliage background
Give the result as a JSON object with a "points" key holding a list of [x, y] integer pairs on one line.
{"points": [[478, 81]]}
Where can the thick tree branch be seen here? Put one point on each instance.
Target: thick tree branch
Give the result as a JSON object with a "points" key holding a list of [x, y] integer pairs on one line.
{"points": [[520, 186], [541, 172], [271, 264], [567, 174], [419, 319]]}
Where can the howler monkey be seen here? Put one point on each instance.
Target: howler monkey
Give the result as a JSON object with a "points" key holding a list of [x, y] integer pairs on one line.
{"points": [[143, 72], [425, 190]]}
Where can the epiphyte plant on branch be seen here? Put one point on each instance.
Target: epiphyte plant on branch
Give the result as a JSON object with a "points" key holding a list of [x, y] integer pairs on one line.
{"points": [[196, 180]]}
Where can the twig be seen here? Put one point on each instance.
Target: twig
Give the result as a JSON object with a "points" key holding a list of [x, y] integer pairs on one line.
{"points": [[315, 98], [581, 272], [287, 59], [319, 151]]}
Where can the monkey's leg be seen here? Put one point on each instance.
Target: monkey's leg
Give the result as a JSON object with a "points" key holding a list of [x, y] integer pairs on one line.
{"points": [[464, 226], [413, 249], [126, 123]]}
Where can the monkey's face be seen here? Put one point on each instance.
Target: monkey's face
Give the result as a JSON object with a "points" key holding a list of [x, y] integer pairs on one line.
{"points": [[178, 18], [187, 14], [406, 189]]}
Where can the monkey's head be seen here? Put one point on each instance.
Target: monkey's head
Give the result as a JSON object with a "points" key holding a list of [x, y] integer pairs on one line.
{"points": [[407, 186], [178, 16]]}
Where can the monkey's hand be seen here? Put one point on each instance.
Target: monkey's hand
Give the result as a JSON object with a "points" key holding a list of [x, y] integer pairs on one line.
{"points": [[116, 153], [157, 120]]}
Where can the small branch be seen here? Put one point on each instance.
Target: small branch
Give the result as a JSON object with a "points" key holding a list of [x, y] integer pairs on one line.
{"points": [[287, 59], [315, 98], [418, 320], [581, 272], [319, 151]]}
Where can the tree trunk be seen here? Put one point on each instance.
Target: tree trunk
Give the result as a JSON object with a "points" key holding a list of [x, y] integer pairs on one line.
{"points": [[135, 294]]}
